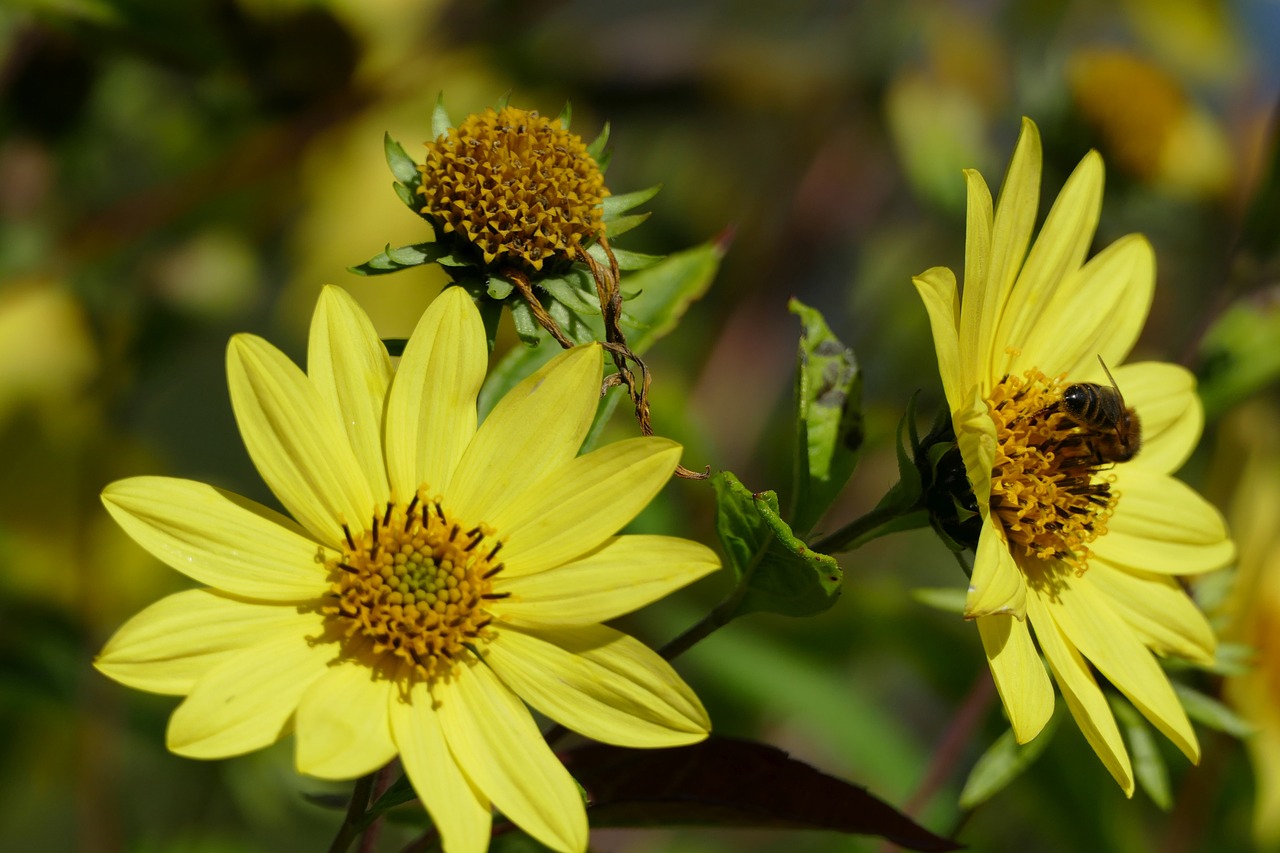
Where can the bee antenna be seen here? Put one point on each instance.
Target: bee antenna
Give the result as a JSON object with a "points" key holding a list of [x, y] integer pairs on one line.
{"points": [[1123, 411], [1107, 371]]}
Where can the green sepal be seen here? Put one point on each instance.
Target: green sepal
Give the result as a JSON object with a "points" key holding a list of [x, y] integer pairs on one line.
{"points": [[402, 165], [1149, 768], [440, 121], [1004, 761], [615, 228], [407, 196], [614, 206], [603, 161], [503, 100], [569, 295], [527, 327], [1210, 712], [948, 599], [777, 572], [498, 287], [566, 115], [392, 260], [596, 149], [829, 427], [627, 261]]}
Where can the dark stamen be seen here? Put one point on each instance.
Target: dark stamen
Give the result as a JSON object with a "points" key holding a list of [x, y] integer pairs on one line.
{"points": [[496, 549], [493, 571], [473, 543], [351, 543], [386, 519], [347, 568], [453, 534], [494, 596]]}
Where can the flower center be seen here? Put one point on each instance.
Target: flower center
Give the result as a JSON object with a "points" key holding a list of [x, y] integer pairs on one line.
{"points": [[416, 584], [519, 187], [1045, 488]]}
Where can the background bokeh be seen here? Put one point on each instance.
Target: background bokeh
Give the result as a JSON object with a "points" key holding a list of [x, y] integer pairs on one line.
{"points": [[172, 173]]}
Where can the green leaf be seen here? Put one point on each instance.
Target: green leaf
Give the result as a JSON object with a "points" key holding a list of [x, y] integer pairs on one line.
{"points": [[596, 148], [616, 205], [669, 286], [402, 165], [949, 599], [777, 573], [733, 783], [829, 428], [400, 792], [1148, 764], [406, 195], [526, 326], [626, 260], [1239, 354], [615, 228], [498, 287], [566, 115], [1004, 761], [1210, 712], [392, 260]]}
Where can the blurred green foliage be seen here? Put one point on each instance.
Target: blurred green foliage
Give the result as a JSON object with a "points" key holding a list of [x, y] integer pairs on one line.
{"points": [[171, 173]]}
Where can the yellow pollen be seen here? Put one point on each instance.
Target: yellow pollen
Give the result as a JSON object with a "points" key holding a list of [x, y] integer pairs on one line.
{"points": [[519, 187], [1046, 487], [415, 583]]}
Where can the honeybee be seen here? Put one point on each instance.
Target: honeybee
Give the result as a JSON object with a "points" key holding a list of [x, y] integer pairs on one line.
{"points": [[1114, 432]]}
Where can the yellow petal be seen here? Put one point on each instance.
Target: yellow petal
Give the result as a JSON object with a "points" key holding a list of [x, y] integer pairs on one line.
{"points": [[1015, 217], [1097, 311], [247, 701], [1161, 525], [997, 585], [1058, 252], [1158, 610], [536, 428], [979, 309], [600, 683], [976, 437], [218, 538], [1087, 704], [1172, 417], [1019, 675], [170, 645], [622, 575], [583, 503], [343, 723], [349, 366], [295, 440], [1092, 626], [431, 410], [937, 287], [493, 738], [459, 811]]}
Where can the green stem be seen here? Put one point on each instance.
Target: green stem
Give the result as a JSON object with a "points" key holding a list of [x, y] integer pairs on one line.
{"points": [[355, 812], [719, 616], [877, 523]]}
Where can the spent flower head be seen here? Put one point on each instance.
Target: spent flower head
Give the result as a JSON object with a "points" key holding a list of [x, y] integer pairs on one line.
{"points": [[438, 576], [1081, 528]]}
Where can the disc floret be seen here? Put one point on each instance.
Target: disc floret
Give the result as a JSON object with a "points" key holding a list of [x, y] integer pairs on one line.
{"points": [[415, 584], [1047, 489], [519, 187]]}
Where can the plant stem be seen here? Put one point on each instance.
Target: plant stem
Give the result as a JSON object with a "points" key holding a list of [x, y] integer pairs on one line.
{"points": [[355, 811], [870, 526], [719, 616]]}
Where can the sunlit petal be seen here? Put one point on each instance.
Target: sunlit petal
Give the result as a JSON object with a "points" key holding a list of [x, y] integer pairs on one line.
{"points": [[997, 585], [937, 289], [1162, 525], [343, 725], [1020, 677], [1172, 416], [1157, 609]]}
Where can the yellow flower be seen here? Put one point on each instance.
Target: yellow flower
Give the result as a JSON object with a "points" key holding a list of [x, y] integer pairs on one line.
{"points": [[438, 574], [1075, 543]]}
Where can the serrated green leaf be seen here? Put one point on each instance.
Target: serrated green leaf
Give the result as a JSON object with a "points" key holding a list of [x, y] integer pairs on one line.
{"points": [[617, 227], [777, 573], [1210, 712], [402, 165], [566, 115], [440, 121], [829, 428], [949, 599], [392, 260], [1004, 761], [1148, 764], [669, 287], [614, 206], [596, 149], [568, 295]]}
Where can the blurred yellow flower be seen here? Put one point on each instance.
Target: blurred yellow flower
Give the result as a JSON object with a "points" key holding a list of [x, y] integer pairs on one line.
{"points": [[438, 574], [1080, 537]]}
